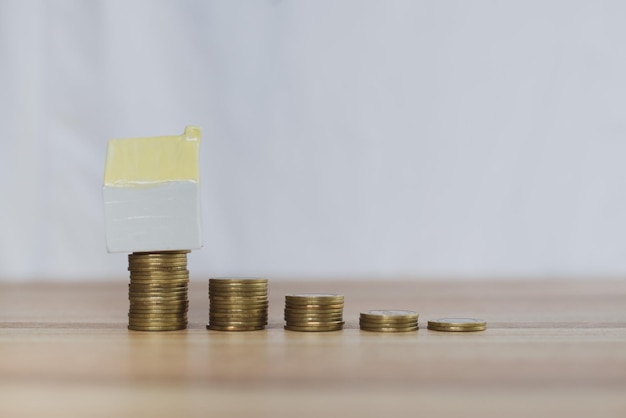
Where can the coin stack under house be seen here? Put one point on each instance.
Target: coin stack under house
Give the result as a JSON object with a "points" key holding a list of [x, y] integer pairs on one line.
{"points": [[158, 291], [314, 312], [237, 304], [388, 321]]}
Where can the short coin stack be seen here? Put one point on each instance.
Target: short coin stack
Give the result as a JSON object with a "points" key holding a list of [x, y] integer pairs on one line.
{"points": [[457, 324], [158, 291], [314, 312], [237, 304], [388, 321]]}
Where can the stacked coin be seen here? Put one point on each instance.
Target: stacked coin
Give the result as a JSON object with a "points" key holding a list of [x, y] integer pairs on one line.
{"points": [[457, 324], [237, 304], [158, 291], [314, 312], [388, 321]]}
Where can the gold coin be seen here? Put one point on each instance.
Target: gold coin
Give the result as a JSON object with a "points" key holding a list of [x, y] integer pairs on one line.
{"points": [[314, 329], [314, 308], [238, 305], [157, 312], [237, 292], [388, 321], [156, 321], [225, 323], [389, 314], [237, 280], [151, 270], [237, 315], [158, 298], [314, 299], [159, 274], [243, 312], [159, 291], [157, 324], [253, 287], [176, 303], [457, 325], [179, 314], [157, 254], [387, 325], [160, 283], [172, 291], [314, 317], [292, 321], [157, 328], [164, 293], [156, 258], [158, 263], [312, 313], [234, 328], [389, 329], [233, 298]]}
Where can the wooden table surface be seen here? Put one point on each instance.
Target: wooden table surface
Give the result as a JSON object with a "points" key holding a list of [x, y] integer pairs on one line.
{"points": [[552, 348]]}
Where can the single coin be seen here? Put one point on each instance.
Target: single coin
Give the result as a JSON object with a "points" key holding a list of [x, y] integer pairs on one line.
{"points": [[166, 278], [158, 269], [156, 321], [157, 328], [251, 311], [175, 291], [237, 291], [158, 261], [159, 299], [239, 310], [316, 308], [160, 274], [242, 304], [387, 324], [237, 285], [158, 291], [314, 299], [389, 320], [238, 298], [144, 322], [183, 304], [389, 314], [333, 309], [237, 280], [158, 315], [314, 323], [159, 324], [389, 329], [313, 317], [314, 329], [237, 315], [155, 254], [157, 311], [457, 324], [161, 283], [213, 321], [234, 328]]}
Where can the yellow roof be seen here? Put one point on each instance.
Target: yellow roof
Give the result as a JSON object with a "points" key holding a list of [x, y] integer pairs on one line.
{"points": [[137, 161]]}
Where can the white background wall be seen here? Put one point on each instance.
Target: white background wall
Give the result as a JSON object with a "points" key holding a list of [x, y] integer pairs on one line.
{"points": [[341, 138]]}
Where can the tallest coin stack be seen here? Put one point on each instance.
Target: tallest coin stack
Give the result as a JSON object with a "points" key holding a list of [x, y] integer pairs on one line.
{"points": [[158, 291]]}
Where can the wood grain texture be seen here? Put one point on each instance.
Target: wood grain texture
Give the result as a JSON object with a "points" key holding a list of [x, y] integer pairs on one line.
{"points": [[552, 348]]}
